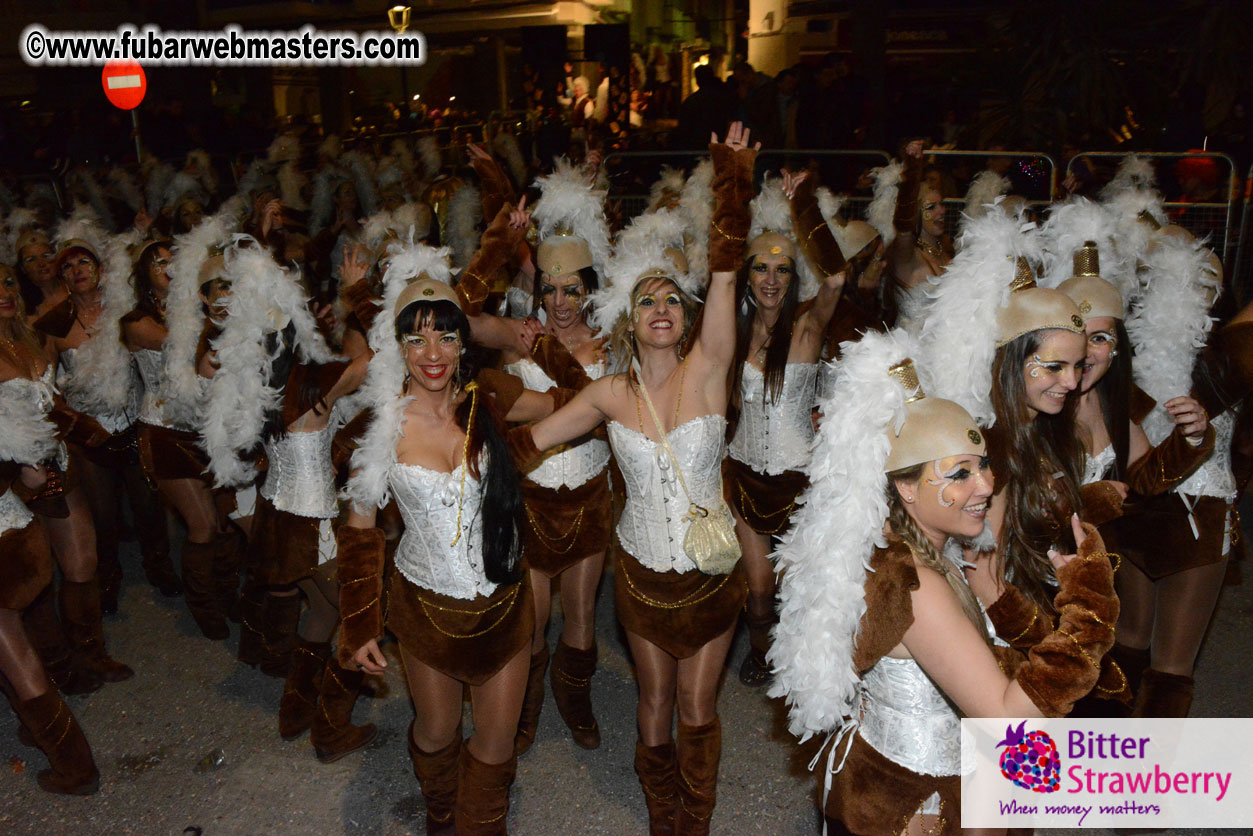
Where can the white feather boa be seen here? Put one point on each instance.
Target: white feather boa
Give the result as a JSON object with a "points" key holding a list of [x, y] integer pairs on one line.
{"points": [[264, 298], [1171, 323], [28, 437], [887, 185], [102, 379], [696, 204], [640, 248], [385, 380], [823, 558], [771, 211], [184, 319], [571, 204], [958, 337]]}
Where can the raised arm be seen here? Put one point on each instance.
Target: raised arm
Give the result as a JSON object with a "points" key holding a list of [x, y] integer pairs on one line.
{"points": [[905, 219], [728, 231]]}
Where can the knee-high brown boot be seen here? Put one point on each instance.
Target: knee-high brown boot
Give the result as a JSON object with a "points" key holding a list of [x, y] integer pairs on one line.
{"points": [[108, 571], [228, 557], [755, 671], [154, 545], [437, 776], [483, 795], [532, 703], [656, 766], [47, 636], [333, 735], [697, 749], [571, 677], [201, 590], [299, 704], [278, 628], [58, 734], [80, 613], [251, 623], [1164, 695]]}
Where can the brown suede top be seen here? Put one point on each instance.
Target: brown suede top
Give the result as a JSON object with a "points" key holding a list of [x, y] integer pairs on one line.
{"points": [[889, 608], [58, 321]]}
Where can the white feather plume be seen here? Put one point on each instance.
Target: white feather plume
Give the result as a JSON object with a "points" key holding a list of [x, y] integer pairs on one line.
{"points": [[983, 192], [184, 389], [668, 186], [1171, 323], [384, 383], [958, 337], [771, 211], [505, 145], [887, 185], [640, 248], [399, 149], [198, 162], [82, 184], [156, 175], [83, 225], [18, 221], [1070, 224], [569, 203], [124, 185], [291, 182], [465, 210], [838, 523], [1135, 174], [363, 178], [696, 205], [432, 161], [28, 437], [179, 185], [322, 204]]}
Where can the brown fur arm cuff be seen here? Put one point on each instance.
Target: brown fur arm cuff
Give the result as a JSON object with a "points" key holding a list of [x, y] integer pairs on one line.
{"points": [[1169, 463], [1019, 620], [905, 218], [498, 243], [359, 299], [360, 569], [733, 189], [556, 361], [77, 428], [812, 232], [526, 456], [504, 388], [494, 186], [1066, 665], [1101, 502]]}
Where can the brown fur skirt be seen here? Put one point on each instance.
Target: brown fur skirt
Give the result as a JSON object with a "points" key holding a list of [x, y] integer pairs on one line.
{"points": [[50, 501], [467, 640], [115, 454], [872, 796], [1156, 537], [680, 613], [565, 525], [25, 565], [764, 502], [283, 548], [171, 454]]}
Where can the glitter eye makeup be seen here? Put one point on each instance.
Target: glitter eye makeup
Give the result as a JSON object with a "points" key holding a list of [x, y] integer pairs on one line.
{"points": [[1035, 365]]}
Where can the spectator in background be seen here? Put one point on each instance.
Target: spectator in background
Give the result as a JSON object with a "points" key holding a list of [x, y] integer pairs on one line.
{"points": [[708, 110], [759, 104], [788, 83]]}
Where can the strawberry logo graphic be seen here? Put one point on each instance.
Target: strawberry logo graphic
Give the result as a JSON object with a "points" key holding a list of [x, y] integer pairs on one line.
{"points": [[1030, 759]]}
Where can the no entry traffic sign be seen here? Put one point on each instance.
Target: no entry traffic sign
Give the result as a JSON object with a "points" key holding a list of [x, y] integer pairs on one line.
{"points": [[124, 83]]}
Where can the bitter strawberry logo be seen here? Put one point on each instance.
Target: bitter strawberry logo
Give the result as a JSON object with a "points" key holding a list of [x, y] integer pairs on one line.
{"points": [[1030, 759]]}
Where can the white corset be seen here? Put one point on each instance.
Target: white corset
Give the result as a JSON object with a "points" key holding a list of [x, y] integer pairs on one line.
{"points": [[654, 519], [1095, 467], [1214, 476], [151, 366], [428, 502], [114, 423], [300, 479], [908, 720], [911, 307], [14, 515], [572, 466], [827, 373], [773, 437]]}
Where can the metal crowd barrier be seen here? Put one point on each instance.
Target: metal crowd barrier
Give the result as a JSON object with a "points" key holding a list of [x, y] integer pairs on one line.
{"points": [[1212, 218], [1242, 270]]}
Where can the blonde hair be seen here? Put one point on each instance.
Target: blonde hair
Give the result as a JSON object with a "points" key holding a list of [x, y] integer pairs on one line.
{"points": [[23, 332], [905, 527], [622, 335]]}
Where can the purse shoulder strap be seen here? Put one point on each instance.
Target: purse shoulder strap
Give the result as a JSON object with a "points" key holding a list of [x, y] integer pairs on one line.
{"points": [[661, 433]]}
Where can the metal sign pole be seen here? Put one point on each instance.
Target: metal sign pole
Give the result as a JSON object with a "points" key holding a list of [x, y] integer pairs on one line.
{"points": [[139, 157]]}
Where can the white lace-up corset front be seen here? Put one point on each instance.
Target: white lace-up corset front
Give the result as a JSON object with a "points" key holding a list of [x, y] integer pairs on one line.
{"points": [[114, 423], [654, 519], [428, 502], [1095, 467], [152, 371], [773, 437], [1214, 477], [908, 720], [300, 479], [572, 466], [14, 515]]}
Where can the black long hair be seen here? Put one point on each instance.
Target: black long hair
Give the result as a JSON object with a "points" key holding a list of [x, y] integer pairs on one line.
{"points": [[488, 456], [1114, 392], [1039, 460], [780, 334], [146, 302]]}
